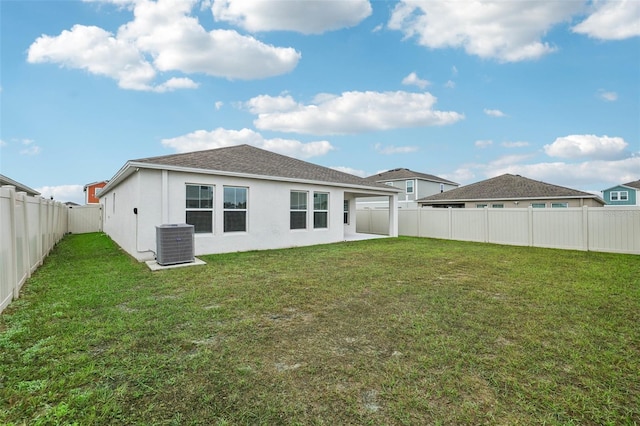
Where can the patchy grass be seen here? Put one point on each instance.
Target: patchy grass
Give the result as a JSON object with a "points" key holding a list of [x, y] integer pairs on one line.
{"points": [[391, 331]]}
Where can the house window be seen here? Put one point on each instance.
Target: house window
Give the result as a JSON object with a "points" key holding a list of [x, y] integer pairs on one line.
{"points": [[409, 184], [559, 205], [298, 213], [346, 212], [497, 206], [538, 205], [235, 209], [619, 195], [199, 208], [113, 204], [320, 209], [442, 187], [481, 206]]}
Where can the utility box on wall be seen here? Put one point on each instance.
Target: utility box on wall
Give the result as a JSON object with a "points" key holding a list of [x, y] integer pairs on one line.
{"points": [[174, 244]]}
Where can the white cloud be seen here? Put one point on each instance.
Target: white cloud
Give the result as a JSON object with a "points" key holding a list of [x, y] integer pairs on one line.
{"points": [[392, 149], [483, 143], [3, 143], [607, 96], [162, 37], [413, 79], [450, 84], [218, 105], [351, 112], [517, 144], [505, 30], [307, 17], [30, 149], [577, 175], [494, 113], [586, 174], [63, 193], [219, 138], [612, 20], [592, 146], [349, 170]]}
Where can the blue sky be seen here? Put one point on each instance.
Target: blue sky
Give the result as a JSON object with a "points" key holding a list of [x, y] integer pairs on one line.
{"points": [[464, 90]]}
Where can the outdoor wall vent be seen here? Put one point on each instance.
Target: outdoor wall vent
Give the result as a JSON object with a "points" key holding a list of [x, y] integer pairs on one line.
{"points": [[174, 244]]}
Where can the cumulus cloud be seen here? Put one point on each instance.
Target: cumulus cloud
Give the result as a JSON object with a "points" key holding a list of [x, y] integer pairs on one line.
{"points": [[162, 37], [494, 113], [502, 30], [219, 138], [413, 80], [63, 193], [577, 175], [591, 146], [392, 149], [3, 143], [612, 20], [350, 112], [307, 17]]}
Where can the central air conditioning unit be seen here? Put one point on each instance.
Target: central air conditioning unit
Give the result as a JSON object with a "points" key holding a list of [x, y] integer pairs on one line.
{"points": [[174, 244]]}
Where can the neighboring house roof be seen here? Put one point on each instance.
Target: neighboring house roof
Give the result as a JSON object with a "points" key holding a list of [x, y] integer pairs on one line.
{"points": [[248, 161], [84, 188], [400, 174], [635, 185], [4, 180], [507, 187]]}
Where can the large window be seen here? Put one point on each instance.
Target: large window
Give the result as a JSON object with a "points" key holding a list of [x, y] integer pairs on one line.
{"points": [[538, 205], [619, 195], [199, 208], [559, 205], [298, 213], [235, 209], [320, 209]]}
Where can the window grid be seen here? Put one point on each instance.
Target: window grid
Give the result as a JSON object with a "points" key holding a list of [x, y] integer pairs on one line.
{"points": [[235, 209], [298, 210], [199, 208], [320, 210]]}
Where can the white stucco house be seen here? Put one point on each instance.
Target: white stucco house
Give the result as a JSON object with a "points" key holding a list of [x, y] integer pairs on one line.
{"points": [[237, 198]]}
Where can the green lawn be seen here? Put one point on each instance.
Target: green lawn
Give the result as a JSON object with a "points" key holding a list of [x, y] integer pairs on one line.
{"points": [[390, 331]]}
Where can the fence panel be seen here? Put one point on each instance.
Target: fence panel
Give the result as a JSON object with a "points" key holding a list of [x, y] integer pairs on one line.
{"points": [[615, 230], [84, 219], [469, 225], [508, 226], [408, 222], [435, 223], [29, 228], [559, 228]]}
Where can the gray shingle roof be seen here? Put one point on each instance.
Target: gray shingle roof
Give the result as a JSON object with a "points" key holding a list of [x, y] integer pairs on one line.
{"points": [[506, 187], [406, 174], [634, 184], [4, 180], [247, 159]]}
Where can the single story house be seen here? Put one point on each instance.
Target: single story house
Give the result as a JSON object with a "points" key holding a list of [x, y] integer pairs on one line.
{"points": [[4, 180], [414, 185], [91, 191], [511, 191], [627, 194], [237, 198]]}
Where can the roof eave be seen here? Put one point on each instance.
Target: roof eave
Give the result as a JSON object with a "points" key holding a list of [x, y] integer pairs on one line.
{"points": [[469, 200]]}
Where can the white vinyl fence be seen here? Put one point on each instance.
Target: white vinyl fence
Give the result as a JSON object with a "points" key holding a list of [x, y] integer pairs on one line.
{"points": [[609, 229], [84, 219], [29, 228]]}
